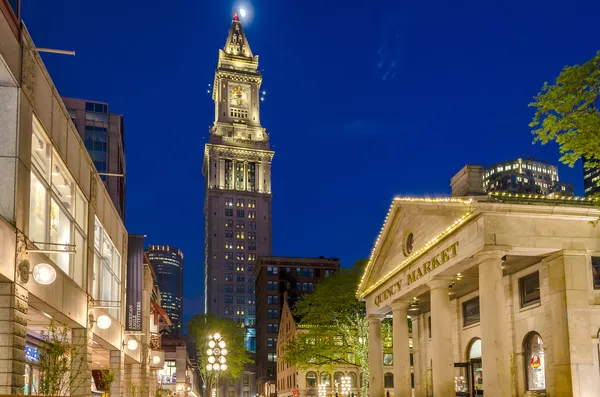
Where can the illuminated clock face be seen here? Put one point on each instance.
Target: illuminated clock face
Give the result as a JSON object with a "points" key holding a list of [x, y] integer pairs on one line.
{"points": [[238, 95]]}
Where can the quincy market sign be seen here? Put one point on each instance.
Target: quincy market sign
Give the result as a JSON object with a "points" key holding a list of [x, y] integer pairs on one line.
{"points": [[433, 263]]}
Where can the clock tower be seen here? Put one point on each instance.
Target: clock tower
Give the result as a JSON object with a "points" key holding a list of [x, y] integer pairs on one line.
{"points": [[237, 172]]}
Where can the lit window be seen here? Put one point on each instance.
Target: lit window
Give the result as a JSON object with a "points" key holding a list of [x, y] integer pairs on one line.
{"points": [[228, 245], [57, 208], [228, 202], [240, 245], [229, 223], [240, 203], [535, 372], [239, 224], [239, 234], [107, 269], [239, 256], [251, 214], [251, 203]]}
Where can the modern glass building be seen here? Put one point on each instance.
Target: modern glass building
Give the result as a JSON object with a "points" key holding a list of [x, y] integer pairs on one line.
{"points": [[168, 265], [590, 180], [102, 133]]}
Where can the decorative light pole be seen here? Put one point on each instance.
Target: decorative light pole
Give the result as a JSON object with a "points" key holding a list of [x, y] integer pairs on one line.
{"points": [[345, 385], [216, 358], [323, 389]]}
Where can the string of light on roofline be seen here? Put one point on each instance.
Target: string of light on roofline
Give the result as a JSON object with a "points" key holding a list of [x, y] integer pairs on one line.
{"points": [[544, 197], [420, 251]]}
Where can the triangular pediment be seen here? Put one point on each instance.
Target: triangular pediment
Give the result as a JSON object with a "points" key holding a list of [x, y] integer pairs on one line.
{"points": [[419, 220]]}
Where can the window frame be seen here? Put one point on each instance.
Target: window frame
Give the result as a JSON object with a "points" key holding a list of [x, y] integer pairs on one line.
{"points": [[467, 322], [523, 300]]}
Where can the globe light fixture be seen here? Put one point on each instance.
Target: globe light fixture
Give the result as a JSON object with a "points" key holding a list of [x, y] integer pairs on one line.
{"points": [[216, 336], [222, 344], [211, 344], [155, 360], [209, 367], [216, 366], [103, 322], [44, 274], [345, 385], [209, 352], [223, 367], [224, 352], [132, 344], [211, 359]]}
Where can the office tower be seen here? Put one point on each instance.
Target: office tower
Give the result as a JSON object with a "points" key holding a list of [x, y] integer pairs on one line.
{"points": [[102, 133], [590, 180], [275, 276], [168, 265], [526, 176]]}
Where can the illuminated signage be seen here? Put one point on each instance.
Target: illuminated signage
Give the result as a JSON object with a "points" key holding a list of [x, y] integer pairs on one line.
{"points": [[433, 263], [32, 354]]}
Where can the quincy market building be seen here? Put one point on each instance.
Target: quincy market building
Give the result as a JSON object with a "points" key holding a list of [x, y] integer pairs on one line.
{"points": [[503, 292]]}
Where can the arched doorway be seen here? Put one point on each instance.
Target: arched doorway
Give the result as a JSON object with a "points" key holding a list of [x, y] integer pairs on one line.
{"points": [[474, 357], [535, 362]]}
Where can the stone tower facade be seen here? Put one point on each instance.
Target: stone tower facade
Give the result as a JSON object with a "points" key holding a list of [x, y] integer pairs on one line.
{"points": [[237, 171]]}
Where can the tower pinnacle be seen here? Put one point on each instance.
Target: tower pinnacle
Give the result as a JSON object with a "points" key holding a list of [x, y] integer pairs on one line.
{"points": [[237, 43]]}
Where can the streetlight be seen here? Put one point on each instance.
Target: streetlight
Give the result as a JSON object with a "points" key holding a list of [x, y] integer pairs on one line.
{"points": [[217, 350], [345, 386], [323, 389]]}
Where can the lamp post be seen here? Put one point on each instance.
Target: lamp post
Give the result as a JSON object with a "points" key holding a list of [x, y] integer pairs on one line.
{"points": [[217, 350], [345, 385]]}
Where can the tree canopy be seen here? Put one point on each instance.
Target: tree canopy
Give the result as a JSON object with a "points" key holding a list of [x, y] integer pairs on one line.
{"points": [[568, 112], [333, 327], [200, 326]]}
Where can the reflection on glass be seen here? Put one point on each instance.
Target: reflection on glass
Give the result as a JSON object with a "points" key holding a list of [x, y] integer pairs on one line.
{"points": [[60, 233], [37, 210], [536, 375]]}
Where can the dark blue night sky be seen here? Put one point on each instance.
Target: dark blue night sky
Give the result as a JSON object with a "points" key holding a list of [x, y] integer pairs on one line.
{"points": [[365, 100]]}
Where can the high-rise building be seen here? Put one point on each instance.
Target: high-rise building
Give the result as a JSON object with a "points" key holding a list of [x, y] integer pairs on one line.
{"points": [[237, 170], [525, 176], [276, 275], [590, 180], [167, 262], [102, 133]]}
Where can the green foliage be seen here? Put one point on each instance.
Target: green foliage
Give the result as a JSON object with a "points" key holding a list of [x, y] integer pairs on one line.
{"points": [[333, 325], [107, 377], [134, 389], [568, 112], [61, 361], [200, 327]]}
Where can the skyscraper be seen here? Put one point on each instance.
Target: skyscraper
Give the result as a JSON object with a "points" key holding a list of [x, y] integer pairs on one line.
{"points": [[590, 180], [102, 133], [237, 171], [168, 265], [525, 176]]}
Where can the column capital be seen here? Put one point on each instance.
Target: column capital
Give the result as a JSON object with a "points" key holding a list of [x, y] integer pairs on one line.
{"points": [[400, 305], [488, 255], [374, 318], [440, 282]]}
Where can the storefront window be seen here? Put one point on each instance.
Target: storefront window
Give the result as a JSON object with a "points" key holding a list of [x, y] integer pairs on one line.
{"points": [[534, 363], [476, 367], [57, 208], [168, 374], [107, 268]]}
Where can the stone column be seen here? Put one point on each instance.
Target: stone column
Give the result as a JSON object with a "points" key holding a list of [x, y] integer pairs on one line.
{"points": [[221, 173], [570, 325], [441, 343], [135, 385], [375, 357], [82, 363], [259, 177], [401, 350], [117, 363], [13, 328], [494, 329], [416, 333]]}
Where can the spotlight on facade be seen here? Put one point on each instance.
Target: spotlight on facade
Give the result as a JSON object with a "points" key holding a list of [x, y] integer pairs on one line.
{"points": [[156, 360], [103, 322], [44, 274], [132, 344]]}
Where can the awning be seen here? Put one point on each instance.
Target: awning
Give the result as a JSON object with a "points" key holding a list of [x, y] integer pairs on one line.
{"points": [[161, 312]]}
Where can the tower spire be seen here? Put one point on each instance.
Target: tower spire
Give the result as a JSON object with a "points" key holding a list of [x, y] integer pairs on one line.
{"points": [[237, 43]]}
